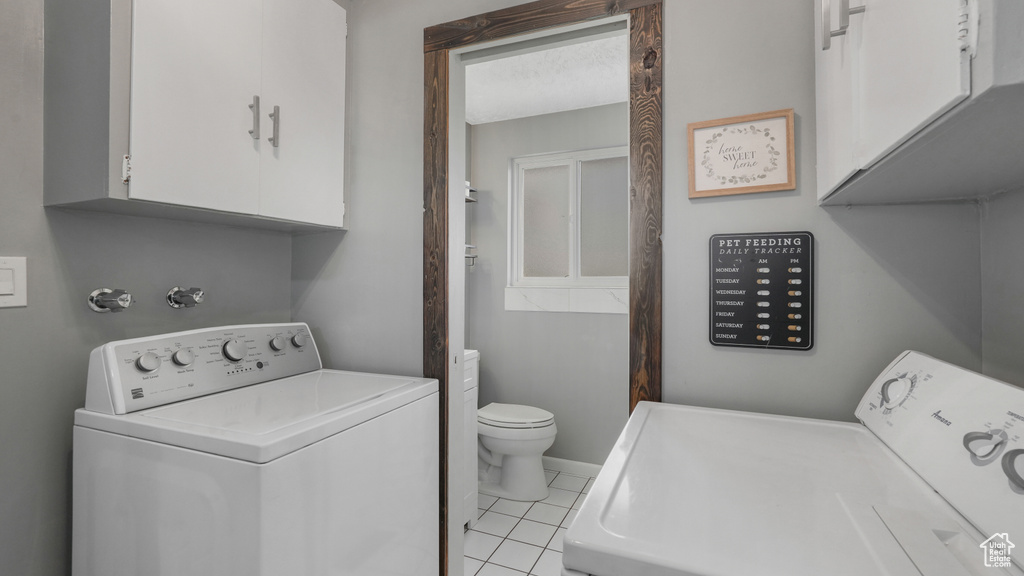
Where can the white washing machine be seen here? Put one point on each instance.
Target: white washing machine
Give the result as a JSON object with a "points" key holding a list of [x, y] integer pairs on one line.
{"points": [[231, 452], [931, 483]]}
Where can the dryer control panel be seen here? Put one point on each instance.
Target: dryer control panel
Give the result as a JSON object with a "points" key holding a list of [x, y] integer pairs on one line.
{"points": [[130, 375], [961, 431]]}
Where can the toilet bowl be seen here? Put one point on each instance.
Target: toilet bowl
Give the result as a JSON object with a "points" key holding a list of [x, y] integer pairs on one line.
{"points": [[511, 440]]}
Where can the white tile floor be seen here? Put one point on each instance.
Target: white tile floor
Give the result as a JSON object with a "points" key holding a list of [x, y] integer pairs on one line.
{"points": [[516, 538]]}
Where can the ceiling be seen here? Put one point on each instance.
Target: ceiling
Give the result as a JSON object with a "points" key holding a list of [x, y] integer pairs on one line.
{"points": [[569, 77]]}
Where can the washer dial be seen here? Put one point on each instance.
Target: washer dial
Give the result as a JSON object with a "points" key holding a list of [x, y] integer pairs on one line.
{"points": [[277, 343], [234, 350], [300, 340], [148, 362], [183, 357]]}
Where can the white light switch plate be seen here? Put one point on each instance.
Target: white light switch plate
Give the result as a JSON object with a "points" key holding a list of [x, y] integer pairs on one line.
{"points": [[13, 282]]}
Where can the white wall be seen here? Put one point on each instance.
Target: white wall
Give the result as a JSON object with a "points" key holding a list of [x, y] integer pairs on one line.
{"points": [[44, 347], [573, 365]]}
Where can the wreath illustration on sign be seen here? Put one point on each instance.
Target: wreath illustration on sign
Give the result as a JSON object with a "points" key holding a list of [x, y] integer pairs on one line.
{"points": [[747, 178]]}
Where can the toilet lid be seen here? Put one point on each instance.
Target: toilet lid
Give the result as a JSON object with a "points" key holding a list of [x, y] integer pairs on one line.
{"points": [[514, 416]]}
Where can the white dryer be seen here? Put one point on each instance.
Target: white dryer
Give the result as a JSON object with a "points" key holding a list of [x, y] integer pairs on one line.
{"points": [[231, 452], [930, 483]]}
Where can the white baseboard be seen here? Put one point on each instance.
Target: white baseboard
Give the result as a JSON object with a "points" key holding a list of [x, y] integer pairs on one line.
{"points": [[571, 466]]}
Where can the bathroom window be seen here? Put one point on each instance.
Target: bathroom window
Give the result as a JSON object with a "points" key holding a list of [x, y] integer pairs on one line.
{"points": [[569, 232]]}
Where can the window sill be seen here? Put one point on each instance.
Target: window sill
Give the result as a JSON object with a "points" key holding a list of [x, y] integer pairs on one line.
{"points": [[587, 300]]}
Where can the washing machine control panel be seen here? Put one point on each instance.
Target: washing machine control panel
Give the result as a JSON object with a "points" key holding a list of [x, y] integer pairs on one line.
{"points": [[130, 375], [961, 431]]}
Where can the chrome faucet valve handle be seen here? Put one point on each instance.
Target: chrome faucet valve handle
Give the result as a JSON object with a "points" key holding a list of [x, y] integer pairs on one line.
{"points": [[178, 297], [107, 300]]}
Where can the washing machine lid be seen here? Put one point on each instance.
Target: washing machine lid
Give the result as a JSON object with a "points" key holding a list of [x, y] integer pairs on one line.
{"points": [[263, 422], [514, 416]]}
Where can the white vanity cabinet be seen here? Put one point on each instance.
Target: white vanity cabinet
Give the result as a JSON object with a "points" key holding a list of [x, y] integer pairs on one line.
{"points": [[471, 371], [899, 65], [229, 111]]}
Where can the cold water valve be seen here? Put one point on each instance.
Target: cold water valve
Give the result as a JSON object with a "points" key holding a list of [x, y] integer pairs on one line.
{"points": [[178, 297]]}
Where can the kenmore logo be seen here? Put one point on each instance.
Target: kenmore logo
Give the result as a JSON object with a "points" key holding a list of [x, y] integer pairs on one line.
{"points": [[939, 417], [136, 393]]}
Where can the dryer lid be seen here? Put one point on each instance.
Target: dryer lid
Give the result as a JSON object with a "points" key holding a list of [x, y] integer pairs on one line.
{"points": [[514, 416]]}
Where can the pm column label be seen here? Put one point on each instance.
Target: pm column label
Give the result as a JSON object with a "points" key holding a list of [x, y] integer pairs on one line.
{"points": [[762, 290]]}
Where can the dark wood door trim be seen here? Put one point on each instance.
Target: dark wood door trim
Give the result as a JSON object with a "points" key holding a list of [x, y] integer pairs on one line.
{"points": [[645, 187], [435, 256]]}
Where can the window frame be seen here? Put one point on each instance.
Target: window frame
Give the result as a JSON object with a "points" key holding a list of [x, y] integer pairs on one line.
{"points": [[516, 232]]}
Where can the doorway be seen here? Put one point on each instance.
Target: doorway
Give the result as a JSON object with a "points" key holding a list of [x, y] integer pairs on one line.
{"points": [[442, 249]]}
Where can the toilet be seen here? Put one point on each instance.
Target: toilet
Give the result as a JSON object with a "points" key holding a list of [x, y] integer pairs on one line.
{"points": [[511, 440]]}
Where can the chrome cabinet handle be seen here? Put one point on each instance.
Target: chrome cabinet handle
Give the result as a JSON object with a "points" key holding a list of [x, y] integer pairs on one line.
{"points": [[255, 107], [276, 117], [827, 33]]}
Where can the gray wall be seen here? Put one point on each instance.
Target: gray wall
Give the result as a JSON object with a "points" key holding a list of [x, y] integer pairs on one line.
{"points": [[888, 278], [363, 297], [573, 365], [1003, 283], [45, 346]]}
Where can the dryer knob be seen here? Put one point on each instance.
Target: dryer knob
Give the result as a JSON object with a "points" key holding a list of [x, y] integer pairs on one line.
{"points": [[235, 350], [1013, 466], [300, 340], [893, 391], [985, 445]]}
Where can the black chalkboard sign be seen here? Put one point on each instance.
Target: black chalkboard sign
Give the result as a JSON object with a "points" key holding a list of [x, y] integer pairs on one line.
{"points": [[762, 290]]}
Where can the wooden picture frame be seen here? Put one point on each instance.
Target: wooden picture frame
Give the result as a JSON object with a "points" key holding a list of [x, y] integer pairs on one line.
{"points": [[742, 154]]}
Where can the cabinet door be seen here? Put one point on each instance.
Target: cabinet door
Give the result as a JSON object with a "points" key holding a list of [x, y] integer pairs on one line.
{"points": [[912, 69], [195, 70], [302, 178], [834, 101]]}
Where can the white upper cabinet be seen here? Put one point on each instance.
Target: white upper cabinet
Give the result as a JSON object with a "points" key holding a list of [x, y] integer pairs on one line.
{"points": [[304, 77], [195, 69], [914, 65], [899, 65], [197, 92]]}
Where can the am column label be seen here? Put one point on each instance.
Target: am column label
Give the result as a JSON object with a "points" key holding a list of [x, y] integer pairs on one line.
{"points": [[762, 290]]}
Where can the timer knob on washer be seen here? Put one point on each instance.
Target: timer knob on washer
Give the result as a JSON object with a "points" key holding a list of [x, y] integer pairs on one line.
{"points": [[148, 362], [234, 350], [300, 340]]}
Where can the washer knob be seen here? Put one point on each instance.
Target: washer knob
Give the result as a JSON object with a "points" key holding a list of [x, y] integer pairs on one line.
{"points": [[183, 357], [300, 340], [234, 350], [277, 343], [148, 362]]}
